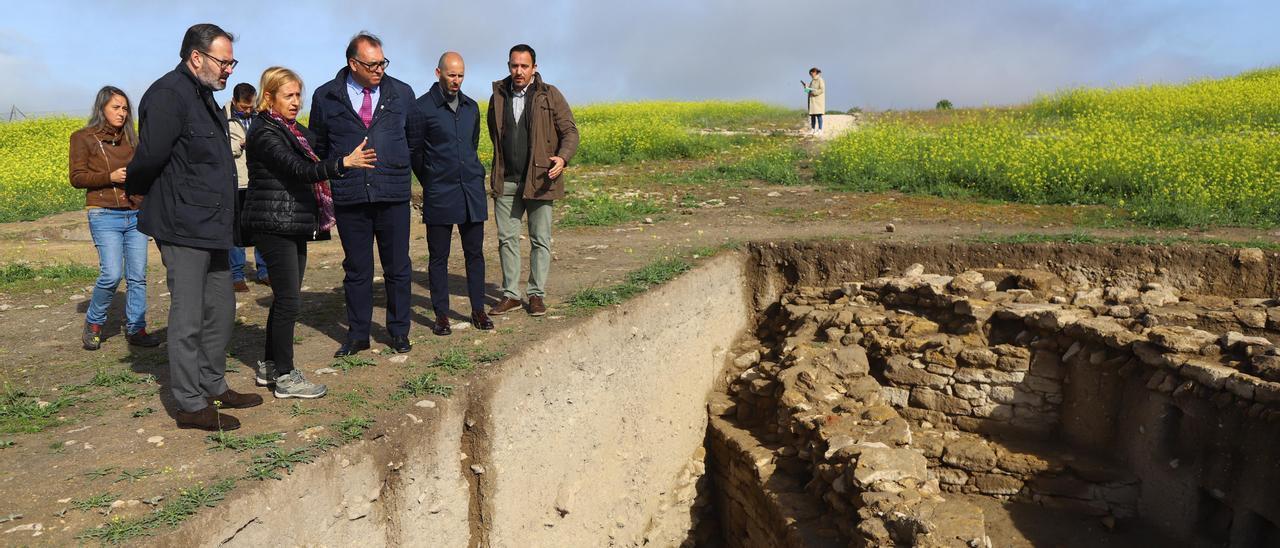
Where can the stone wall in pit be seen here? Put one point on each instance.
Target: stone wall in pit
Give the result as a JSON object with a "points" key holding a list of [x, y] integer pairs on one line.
{"points": [[1086, 397]]}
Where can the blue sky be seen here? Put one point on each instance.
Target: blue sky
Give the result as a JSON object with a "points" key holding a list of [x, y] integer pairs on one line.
{"points": [[874, 54]]}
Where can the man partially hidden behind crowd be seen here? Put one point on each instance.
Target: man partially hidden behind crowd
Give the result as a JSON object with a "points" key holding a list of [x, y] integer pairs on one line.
{"points": [[240, 110], [534, 138], [371, 205], [184, 167], [444, 139]]}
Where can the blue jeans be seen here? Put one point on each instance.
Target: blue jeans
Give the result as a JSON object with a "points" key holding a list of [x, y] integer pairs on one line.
{"points": [[237, 259], [122, 252]]}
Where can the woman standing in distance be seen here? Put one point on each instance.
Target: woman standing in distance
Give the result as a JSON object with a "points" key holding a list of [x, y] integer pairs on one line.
{"points": [[288, 204], [98, 155], [816, 89]]}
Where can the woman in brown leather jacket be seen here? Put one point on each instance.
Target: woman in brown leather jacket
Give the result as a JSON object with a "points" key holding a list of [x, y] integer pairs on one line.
{"points": [[99, 153]]}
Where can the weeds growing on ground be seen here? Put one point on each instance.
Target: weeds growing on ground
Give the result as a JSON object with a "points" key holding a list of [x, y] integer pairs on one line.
{"points": [[353, 427], [595, 207], [235, 442], [637, 281], [21, 412], [347, 363], [453, 360], [425, 384]]}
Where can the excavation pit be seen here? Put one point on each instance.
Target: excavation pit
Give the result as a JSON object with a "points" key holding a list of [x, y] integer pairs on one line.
{"points": [[837, 394], [959, 395]]}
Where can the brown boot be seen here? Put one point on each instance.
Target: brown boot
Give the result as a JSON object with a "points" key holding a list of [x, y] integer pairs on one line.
{"points": [[235, 400], [508, 304], [536, 306], [240, 287], [206, 419]]}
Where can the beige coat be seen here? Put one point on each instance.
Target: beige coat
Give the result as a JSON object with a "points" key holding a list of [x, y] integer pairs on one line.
{"points": [[817, 96], [237, 147]]}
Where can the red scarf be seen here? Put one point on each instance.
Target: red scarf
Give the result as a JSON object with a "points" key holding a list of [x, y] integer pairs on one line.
{"points": [[324, 197]]}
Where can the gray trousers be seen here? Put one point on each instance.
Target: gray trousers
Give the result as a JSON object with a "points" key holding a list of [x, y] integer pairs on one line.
{"points": [[202, 311], [508, 211]]}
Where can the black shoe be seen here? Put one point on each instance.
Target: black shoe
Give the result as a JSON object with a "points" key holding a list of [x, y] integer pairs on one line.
{"points": [[350, 348], [481, 321], [143, 339], [400, 345], [441, 327]]}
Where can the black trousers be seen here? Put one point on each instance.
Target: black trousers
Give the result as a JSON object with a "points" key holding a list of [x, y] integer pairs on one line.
{"points": [[286, 258], [439, 238], [360, 226]]}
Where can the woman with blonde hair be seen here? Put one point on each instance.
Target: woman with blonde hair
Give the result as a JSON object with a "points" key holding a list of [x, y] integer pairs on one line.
{"points": [[288, 204], [98, 155]]}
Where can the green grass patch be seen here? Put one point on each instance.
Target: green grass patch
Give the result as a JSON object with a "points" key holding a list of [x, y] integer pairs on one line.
{"points": [[24, 413], [453, 361], [597, 208], [490, 356], [95, 502], [298, 410], [234, 442], [268, 465], [636, 282], [773, 165], [23, 275], [353, 427], [134, 474], [186, 504], [425, 384], [347, 363]]}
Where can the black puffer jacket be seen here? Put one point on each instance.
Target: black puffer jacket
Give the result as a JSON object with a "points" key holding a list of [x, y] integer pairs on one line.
{"points": [[281, 198]]}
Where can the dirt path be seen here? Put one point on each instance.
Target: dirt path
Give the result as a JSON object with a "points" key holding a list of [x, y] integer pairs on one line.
{"points": [[835, 125], [117, 442]]}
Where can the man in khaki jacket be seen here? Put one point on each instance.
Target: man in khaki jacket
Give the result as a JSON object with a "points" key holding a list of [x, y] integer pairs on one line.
{"points": [[534, 137]]}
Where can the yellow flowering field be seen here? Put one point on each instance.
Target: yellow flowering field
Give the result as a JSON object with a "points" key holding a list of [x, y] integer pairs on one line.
{"points": [[33, 154], [614, 133], [33, 168], [1202, 153]]}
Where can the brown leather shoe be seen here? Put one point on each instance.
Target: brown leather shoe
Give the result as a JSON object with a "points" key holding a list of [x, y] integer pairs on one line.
{"points": [[508, 304], [235, 400], [240, 286], [206, 419], [441, 328], [481, 321], [536, 306]]}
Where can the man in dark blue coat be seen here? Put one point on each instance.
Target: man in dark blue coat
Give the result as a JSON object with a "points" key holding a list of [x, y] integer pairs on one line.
{"points": [[184, 168], [444, 136], [370, 205]]}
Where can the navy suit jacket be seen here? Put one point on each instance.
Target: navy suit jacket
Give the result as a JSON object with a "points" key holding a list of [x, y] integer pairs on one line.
{"points": [[443, 146], [338, 130]]}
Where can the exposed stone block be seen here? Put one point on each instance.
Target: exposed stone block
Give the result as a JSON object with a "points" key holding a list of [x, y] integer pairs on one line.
{"points": [[970, 453]]}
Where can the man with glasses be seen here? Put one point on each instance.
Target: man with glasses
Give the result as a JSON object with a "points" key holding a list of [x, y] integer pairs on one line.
{"points": [[184, 168], [371, 205]]}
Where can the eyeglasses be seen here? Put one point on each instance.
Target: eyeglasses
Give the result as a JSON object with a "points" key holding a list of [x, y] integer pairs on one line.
{"points": [[374, 66], [225, 65]]}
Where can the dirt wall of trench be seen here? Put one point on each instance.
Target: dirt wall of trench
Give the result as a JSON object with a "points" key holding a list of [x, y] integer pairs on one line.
{"points": [[1221, 271], [593, 437]]}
